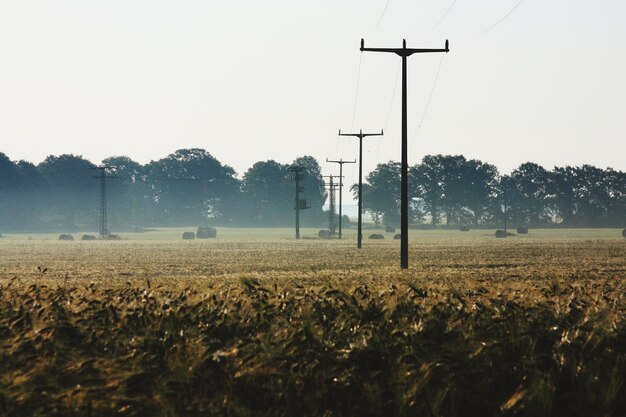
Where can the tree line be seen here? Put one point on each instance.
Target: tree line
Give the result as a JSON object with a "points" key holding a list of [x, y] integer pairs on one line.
{"points": [[191, 187], [188, 187], [453, 191]]}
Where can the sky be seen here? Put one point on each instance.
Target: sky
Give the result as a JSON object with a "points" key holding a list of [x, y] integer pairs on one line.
{"points": [[259, 80]]}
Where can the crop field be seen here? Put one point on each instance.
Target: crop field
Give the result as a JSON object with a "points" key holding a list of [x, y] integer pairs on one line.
{"points": [[255, 323]]}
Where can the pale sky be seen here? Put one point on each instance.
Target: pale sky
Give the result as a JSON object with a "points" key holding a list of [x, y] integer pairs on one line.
{"points": [[256, 80]]}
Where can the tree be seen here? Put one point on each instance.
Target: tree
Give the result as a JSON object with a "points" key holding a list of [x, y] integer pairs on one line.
{"points": [[73, 192], [530, 199], [426, 186], [268, 193], [129, 200], [381, 194], [9, 187], [314, 192], [191, 186], [478, 181]]}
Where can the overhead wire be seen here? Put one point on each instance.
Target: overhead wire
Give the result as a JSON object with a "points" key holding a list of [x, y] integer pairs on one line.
{"points": [[382, 16], [442, 18], [490, 28], [430, 97], [356, 94], [393, 95]]}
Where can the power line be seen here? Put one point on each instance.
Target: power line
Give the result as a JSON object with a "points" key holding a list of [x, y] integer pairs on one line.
{"points": [[432, 90], [382, 16], [442, 18], [356, 95], [490, 28], [393, 95]]}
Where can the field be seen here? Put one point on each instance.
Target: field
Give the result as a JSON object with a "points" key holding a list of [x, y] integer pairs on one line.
{"points": [[255, 323]]}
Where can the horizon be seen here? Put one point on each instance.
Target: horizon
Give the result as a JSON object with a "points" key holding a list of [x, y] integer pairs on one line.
{"points": [[250, 82]]}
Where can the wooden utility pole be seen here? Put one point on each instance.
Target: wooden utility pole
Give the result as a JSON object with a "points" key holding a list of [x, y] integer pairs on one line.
{"points": [[299, 204], [404, 52], [341, 162], [360, 135], [332, 186]]}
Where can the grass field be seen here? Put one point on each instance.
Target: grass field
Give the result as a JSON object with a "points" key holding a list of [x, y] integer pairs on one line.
{"points": [[257, 323]]}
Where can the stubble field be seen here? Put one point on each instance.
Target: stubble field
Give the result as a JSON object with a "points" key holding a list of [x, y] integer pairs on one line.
{"points": [[255, 323]]}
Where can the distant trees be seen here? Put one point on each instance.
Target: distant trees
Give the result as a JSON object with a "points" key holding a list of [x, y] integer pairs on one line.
{"points": [[268, 192], [381, 193], [192, 187], [452, 190], [70, 190]]}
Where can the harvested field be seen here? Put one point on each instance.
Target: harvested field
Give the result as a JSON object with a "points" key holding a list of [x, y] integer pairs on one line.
{"points": [[278, 327]]}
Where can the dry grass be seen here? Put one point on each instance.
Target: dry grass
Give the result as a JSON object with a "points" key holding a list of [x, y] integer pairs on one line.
{"points": [[272, 327]]}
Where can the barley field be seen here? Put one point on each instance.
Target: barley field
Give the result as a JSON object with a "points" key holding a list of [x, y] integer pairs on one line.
{"points": [[255, 323]]}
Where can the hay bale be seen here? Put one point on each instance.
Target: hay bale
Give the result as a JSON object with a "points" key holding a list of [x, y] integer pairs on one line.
{"points": [[522, 230], [112, 237], [397, 236], [65, 236], [324, 234], [376, 236], [390, 229], [189, 236], [89, 237], [464, 229], [624, 233], [501, 234], [206, 233]]}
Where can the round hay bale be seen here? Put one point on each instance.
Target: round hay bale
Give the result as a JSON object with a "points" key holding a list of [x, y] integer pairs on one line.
{"points": [[376, 236], [500, 234], [624, 233], [89, 237], [66, 236], [206, 233], [522, 230], [390, 229], [464, 229], [397, 236], [324, 234], [189, 236], [113, 237]]}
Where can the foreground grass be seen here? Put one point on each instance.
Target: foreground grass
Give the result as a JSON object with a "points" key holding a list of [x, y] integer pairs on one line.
{"points": [[284, 328]]}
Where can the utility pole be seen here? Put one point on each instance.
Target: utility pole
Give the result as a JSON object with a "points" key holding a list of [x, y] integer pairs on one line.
{"points": [[341, 162], [404, 205], [104, 229], [332, 186], [360, 135], [505, 215], [299, 204]]}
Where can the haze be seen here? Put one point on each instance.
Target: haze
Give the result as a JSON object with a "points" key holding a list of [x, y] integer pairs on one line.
{"points": [[251, 80]]}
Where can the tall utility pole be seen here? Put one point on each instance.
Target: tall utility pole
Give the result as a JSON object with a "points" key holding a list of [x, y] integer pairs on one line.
{"points": [[404, 204], [360, 135], [104, 229], [299, 204], [505, 214], [341, 162], [332, 187]]}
